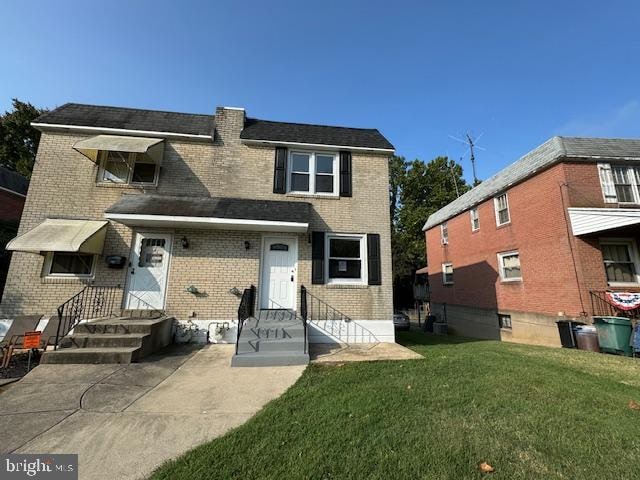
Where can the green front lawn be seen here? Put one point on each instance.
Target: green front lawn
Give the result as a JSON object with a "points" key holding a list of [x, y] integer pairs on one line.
{"points": [[530, 412]]}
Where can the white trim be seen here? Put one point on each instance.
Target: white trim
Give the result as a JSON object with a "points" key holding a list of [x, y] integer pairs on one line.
{"points": [[364, 267], [444, 239], [495, 207], [121, 130], [444, 277], [501, 256], [48, 262], [14, 192], [295, 267], [313, 172], [250, 141], [210, 222], [474, 209], [633, 253]]}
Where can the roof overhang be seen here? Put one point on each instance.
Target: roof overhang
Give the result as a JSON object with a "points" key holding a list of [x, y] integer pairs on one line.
{"points": [[119, 131], [210, 213], [150, 147], [134, 220], [592, 220], [248, 141], [62, 235]]}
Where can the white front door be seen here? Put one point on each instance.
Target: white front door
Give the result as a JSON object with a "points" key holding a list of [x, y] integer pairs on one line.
{"points": [[279, 265], [147, 281]]}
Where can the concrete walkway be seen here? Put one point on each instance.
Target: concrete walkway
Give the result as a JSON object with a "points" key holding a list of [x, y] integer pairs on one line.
{"points": [[125, 420], [360, 352]]}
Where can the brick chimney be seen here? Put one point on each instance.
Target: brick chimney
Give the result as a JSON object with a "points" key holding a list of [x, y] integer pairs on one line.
{"points": [[229, 123]]}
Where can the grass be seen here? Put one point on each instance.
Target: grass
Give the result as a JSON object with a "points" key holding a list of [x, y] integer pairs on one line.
{"points": [[530, 412]]}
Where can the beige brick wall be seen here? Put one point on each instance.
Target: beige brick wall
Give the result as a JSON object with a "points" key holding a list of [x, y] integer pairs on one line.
{"points": [[63, 185]]}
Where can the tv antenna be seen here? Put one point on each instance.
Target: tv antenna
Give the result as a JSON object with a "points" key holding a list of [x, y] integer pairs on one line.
{"points": [[472, 143]]}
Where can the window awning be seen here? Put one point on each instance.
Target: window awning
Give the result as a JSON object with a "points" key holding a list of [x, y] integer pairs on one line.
{"points": [[151, 147], [592, 220], [210, 212], [61, 235]]}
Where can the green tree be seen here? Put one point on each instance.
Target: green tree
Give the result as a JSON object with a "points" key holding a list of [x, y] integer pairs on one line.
{"points": [[18, 139], [422, 189]]}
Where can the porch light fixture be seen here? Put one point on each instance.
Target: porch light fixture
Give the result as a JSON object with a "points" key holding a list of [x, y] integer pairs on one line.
{"points": [[247, 245], [184, 242]]}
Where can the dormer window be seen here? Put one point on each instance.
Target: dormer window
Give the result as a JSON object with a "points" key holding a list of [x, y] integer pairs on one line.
{"points": [[313, 172], [127, 168]]}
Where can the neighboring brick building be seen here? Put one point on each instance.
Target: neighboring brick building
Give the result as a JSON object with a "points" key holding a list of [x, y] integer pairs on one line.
{"points": [[541, 240], [13, 191], [208, 198]]}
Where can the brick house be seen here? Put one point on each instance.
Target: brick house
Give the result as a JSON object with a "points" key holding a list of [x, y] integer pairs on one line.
{"points": [[182, 213], [13, 191], [543, 239]]}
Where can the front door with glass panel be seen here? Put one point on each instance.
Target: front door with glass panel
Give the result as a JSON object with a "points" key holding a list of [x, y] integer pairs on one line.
{"points": [[278, 286], [148, 268]]}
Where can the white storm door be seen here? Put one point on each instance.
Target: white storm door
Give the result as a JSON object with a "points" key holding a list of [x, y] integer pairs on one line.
{"points": [[147, 281], [278, 286]]}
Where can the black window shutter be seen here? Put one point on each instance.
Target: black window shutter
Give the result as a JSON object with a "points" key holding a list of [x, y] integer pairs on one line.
{"points": [[280, 171], [317, 258], [345, 174], [373, 259]]}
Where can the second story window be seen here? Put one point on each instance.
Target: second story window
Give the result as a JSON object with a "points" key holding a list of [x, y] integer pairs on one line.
{"points": [[475, 219], [620, 183], [127, 168], [444, 233], [313, 172], [501, 203]]}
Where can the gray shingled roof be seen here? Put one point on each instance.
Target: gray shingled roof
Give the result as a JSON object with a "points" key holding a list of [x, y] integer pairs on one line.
{"points": [[255, 129], [542, 157], [235, 208], [129, 119], [79, 115], [13, 181]]}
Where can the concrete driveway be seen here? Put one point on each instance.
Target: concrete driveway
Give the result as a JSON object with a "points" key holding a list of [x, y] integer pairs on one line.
{"points": [[125, 420]]}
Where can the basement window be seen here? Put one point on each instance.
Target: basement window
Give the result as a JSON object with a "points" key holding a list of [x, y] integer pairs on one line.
{"points": [[504, 321]]}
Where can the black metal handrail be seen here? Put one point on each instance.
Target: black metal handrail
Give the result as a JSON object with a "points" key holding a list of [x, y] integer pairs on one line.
{"points": [[89, 303], [246, 309], [602, 306], [331, 320]]}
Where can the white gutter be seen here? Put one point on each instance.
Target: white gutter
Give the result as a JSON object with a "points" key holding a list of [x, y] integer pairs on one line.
{"points": [[121, 131], [206, 222], [315, 145]]}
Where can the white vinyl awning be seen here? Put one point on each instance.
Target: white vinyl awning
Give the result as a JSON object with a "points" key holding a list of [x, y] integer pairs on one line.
{"points": [[60, 235], [592, 220], [151, 147]]}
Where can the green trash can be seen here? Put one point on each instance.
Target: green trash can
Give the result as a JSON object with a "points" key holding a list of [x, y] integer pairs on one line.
{"points": [[614, 334]]}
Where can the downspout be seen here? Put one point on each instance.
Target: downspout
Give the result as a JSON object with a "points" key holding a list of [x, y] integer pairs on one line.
{"points": [[570, 240]]}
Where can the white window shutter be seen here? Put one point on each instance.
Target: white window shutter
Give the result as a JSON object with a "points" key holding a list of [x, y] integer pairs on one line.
{"points": [[606, 180]]}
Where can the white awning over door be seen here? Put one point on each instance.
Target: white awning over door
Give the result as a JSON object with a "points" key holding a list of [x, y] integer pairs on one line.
{"points": [[592, 220]]}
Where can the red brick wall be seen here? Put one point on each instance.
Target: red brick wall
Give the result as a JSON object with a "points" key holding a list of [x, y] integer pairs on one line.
{"points": [[538, 230], [11, 206]]}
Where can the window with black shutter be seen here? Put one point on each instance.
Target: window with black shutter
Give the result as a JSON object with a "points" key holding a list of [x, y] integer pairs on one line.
{"points": [[280, 171], [373, 259], [345, 174]]}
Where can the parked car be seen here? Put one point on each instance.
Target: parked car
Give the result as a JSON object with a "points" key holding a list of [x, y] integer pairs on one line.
{"points": [[401, 321]]}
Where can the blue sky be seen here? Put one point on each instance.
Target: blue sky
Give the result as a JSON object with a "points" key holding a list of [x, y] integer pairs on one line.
{"points": [[418, 71]]}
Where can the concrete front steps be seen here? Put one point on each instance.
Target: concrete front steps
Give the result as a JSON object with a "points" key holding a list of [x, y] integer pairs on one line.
{"points": [[273, 339], [112, 340]]}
